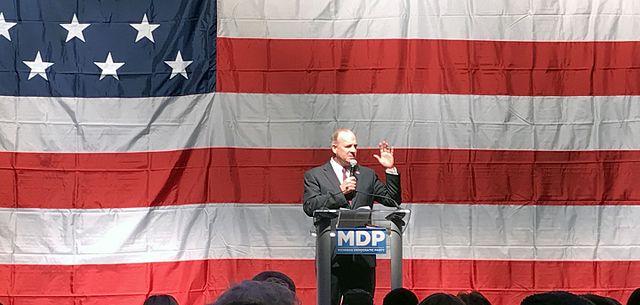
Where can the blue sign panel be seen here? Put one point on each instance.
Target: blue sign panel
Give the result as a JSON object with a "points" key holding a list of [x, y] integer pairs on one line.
{"points": [[361, 241]]}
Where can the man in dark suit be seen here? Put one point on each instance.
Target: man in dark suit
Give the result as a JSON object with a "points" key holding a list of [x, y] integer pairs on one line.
{"points": [[331, 186]]}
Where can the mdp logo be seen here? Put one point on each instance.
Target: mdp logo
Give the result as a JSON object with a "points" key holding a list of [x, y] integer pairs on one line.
{"points": [[361, 241]]}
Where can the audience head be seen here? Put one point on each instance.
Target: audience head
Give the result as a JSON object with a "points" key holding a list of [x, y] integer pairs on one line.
{"points": [[555, 298], [473, 298], [634, 298], [257, 293], [400, 296], [357, 297], [442, 299], [161, 299], [600, 300], [276, 277]]}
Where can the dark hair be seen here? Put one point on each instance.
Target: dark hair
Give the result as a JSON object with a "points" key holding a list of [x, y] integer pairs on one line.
{"points": [[473, 298], [276, 277], [257, 293], [634, 298], [555, 298], [440, 298], [600, 300], [357, 297], [161, 299], [400, 296]]}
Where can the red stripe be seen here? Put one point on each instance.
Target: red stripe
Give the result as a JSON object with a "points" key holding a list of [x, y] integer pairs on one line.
{"points": [[197, 282], [321, 66], [227, 175]]}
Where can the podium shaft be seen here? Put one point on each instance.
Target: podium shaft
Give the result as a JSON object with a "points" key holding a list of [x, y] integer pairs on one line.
{"points": [[323, 264], [396, 256]]}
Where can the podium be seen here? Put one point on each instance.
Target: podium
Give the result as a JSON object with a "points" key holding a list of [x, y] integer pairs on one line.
{"points": [[326, 222]]}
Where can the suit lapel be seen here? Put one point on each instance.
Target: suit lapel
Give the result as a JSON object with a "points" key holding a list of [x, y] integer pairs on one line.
{"points": [[331, 176]]}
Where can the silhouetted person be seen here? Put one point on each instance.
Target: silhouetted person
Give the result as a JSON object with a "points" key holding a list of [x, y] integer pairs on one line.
{"points": [[400, 296], [555, 298], [357, 297], [473, 298], [634, 298], [442, 299], [161, 299], [600, 300], [257, 293], [276, 277]]}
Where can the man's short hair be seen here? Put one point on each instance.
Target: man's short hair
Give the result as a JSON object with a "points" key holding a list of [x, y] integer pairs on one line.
{"points": [[400, 296], [634, 298], [337, 132], [257, 293], [161, 299], [600, 300], [276, 277], [555, 298], [473, 298], [440, 298]]}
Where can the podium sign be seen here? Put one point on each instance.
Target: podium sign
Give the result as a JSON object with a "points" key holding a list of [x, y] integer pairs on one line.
{"points": [[349, 231], [361, 241]]}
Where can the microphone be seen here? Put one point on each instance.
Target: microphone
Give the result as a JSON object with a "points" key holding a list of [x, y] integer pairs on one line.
{"points": [[383, 197], [352, 167]]}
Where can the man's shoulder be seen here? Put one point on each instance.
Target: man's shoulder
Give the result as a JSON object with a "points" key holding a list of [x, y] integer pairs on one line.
{"points": [[317, 169]]}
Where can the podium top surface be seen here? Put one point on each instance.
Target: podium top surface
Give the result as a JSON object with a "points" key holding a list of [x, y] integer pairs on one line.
{"points": [[364, 217]]}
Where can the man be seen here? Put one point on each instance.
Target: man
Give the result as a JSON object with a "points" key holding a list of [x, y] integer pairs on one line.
{"points": [[331, 186]]}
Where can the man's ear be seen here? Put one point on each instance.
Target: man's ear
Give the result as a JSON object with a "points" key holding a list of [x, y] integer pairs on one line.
{"points": [[334, 147]]}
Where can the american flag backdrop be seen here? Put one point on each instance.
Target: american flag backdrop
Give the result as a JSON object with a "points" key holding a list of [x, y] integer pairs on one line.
{"points": [[158, 147]]}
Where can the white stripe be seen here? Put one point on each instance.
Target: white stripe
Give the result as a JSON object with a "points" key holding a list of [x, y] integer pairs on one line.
{"points": [[306, 121], [192, 232], [534, 20]]}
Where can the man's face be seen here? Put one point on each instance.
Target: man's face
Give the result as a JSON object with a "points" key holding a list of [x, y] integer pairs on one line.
{"points": [[345, 148]]}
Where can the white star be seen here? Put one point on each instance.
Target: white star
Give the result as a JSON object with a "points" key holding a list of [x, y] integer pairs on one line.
{"points": [[75, 29], [178, 66], [145, 29], [109, 67], [38, 67], [5, 26]]}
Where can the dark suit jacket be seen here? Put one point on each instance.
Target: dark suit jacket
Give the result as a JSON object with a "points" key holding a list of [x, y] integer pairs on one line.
{"points": [[322, 191]]}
